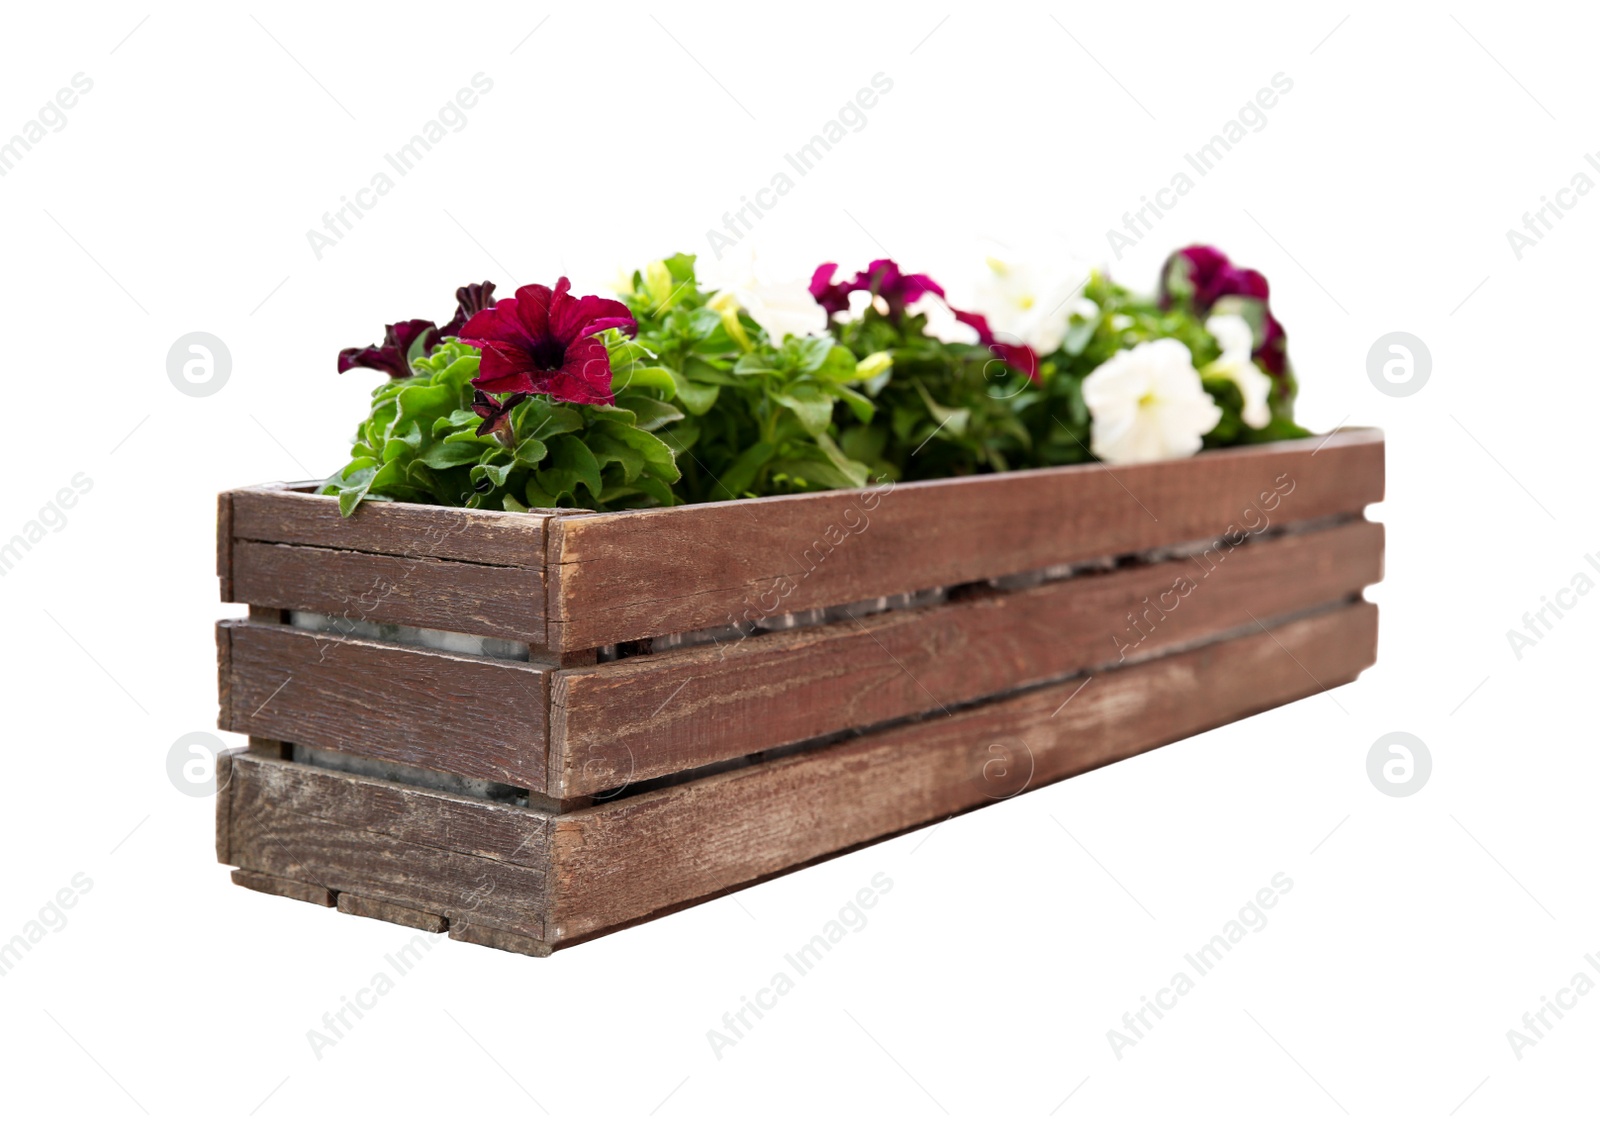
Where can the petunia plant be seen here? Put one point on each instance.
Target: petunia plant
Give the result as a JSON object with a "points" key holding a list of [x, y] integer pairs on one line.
{"points": [[685, 392]]}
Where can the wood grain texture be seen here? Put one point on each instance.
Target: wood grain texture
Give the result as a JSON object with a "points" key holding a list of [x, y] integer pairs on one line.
{"points": [[498, 939], [627, 576], [391, 912], [284, 888], [224, 777], [501, 601], [276, 513], [310, 825], [632, 858], [225, 545], [644, 717], [482, 718]]}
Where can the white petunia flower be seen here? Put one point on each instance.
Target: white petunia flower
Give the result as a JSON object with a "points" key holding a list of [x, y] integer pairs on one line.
{"points": [[1237, 341], [778, 306], [941, 324], [1027, 304], [1147, 403]]}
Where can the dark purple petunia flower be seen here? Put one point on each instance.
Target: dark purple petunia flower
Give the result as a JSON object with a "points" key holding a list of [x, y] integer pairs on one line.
{"points": [[1210, 275], [494, 412], [470, 299], [544, 341], [834, 297], [391, 355]]}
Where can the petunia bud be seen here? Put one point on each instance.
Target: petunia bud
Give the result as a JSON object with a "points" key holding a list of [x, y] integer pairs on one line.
{"points": [[728, 306], [872, 365]]}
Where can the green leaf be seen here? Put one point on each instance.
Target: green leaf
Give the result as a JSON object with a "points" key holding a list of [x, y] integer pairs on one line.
{"points": [[650, 415], [445, 455], [610, 449], [698, 399], [530, 452], [812, 406], [860, 405], [571, 464], [646, 377], [736, 480]]}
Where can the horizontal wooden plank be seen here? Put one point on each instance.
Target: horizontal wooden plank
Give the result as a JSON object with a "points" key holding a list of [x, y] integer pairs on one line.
{"points": [[627, 576], [500, 601], [308, 825], [391, 912], [276, 513], [645, 717], [635, 857], [284, 888], [481, 718]]}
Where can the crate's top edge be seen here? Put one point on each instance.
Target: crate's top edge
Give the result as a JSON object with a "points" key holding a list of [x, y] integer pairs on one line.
{"points": [[1340, 437]]}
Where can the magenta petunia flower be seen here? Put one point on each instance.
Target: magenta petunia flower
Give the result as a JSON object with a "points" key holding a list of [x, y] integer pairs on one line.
{"points": [[882, 279], [543, 341], [390, 355], [1211, 276]]}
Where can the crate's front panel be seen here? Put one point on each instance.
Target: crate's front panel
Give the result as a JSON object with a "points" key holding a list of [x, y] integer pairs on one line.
{"points": [[631, 576], [631, 858], [648, 716]]}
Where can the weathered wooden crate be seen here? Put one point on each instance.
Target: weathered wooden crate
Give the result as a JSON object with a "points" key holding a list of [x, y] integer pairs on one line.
{"points": [[532, 729]]}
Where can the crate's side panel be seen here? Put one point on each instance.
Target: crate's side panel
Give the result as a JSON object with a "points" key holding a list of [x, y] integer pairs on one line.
{"points": [[617, 577], [481, 718], [631, 858], [501, 601], [646, 717], [401, 529], [450, 856], [225, 545]]}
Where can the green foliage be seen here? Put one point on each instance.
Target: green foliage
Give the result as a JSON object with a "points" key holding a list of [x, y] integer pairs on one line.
{"points": [[420, 444], [709, 408]]}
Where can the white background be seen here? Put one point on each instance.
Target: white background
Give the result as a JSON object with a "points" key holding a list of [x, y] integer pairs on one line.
{"points": [[1377, 198]]}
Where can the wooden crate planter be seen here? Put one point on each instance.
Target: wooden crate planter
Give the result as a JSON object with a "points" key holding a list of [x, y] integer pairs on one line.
{"points": [[531, 729]]}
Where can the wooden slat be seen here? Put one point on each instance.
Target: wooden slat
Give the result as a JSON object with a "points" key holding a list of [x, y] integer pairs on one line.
{"points": [[391, 912], [482, 718], [618, 577], [645, 717], [631, 858], [225, 545], [499, 939], [500, 601], [306, 824], [284, 888], [276, 513], [224, 778]]}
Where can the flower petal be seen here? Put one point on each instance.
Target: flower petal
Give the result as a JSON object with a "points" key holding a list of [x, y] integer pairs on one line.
{"points": [[585, 375]]}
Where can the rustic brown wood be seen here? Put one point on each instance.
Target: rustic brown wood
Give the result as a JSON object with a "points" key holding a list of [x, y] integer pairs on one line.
{"points": [[264, 614], [391, 912], [224, 676], [501, 601], [634, 575], [225, 545], [280, 827], [275, 513], [287, 888], [498, 939], [631, 858], [224, 775], [589, 872], [648, 716], [483, 718]]}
